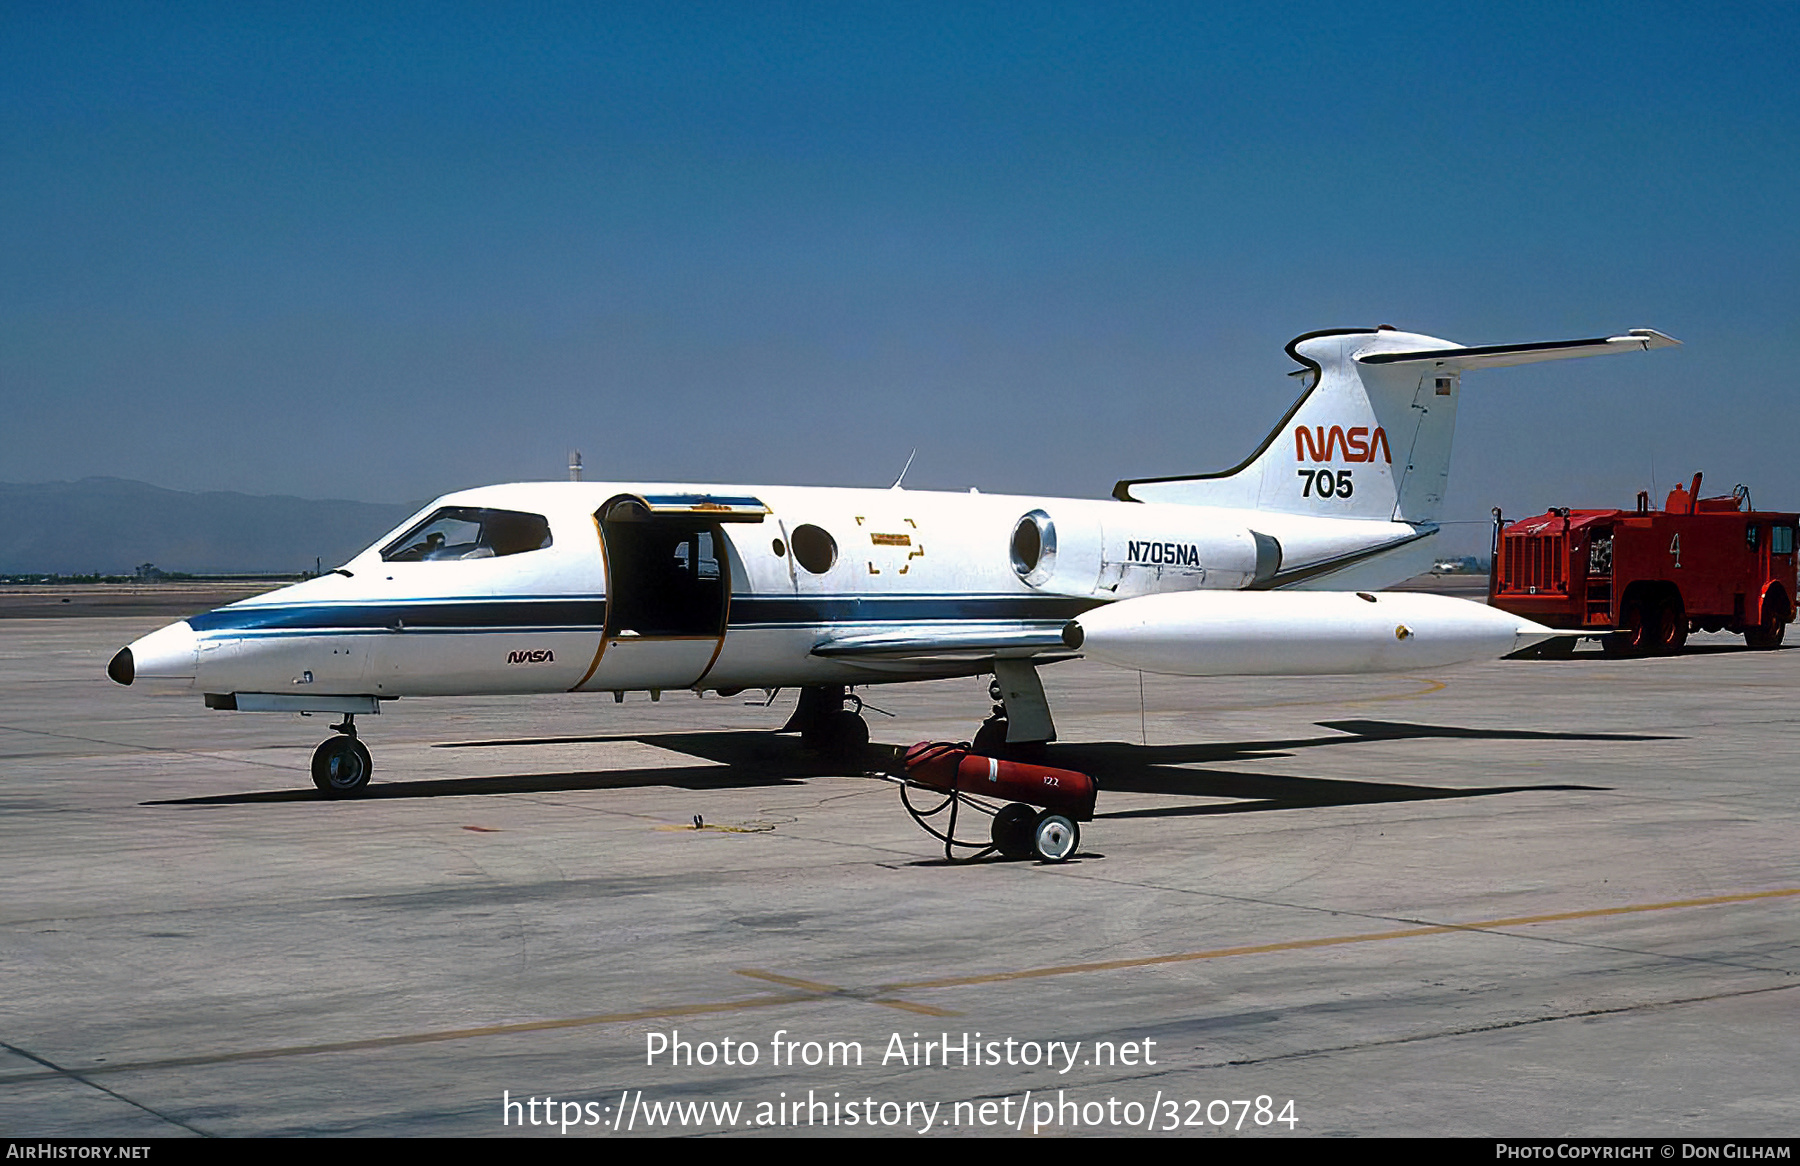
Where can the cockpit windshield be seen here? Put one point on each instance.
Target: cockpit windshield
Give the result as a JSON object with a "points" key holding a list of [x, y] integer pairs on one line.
{"points": [[469, 532]]}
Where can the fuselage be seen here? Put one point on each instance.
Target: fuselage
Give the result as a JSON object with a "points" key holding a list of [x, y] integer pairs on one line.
{"points": [[613, 587]]}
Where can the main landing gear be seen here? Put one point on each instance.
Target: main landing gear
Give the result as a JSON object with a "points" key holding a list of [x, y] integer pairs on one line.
{"points": [[1019, 725], [990, 738], [341, 765], [827, 725]]}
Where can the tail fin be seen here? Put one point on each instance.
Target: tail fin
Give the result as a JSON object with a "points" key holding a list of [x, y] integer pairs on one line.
{"points": [[1370, 435]]}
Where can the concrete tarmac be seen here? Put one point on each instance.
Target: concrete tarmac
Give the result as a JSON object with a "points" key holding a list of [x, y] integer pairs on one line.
{"points": [[1521, 898]]}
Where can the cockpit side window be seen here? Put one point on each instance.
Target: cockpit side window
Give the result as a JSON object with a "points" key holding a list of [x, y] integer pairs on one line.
{"points": [[469, 532]]}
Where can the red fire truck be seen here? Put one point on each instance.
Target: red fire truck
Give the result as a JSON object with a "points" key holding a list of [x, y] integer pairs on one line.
{"points": [[1649, 577]]}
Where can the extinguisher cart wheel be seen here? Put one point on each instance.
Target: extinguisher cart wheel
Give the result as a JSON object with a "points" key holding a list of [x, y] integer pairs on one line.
{"points": [[1054, 837], [1012, 830]]}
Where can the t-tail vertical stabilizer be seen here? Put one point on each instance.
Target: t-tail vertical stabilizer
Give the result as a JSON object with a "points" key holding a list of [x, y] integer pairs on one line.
{"points": [[1370, 435]]}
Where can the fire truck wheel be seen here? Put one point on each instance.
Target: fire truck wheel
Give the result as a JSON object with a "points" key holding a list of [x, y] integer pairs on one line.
{"points": [[1671, 628], [1054, 837], [1634, 630], [1011, 833], [1774, 626]]}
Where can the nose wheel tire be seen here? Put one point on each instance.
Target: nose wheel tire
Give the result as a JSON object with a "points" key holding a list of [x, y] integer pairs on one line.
{"points": [[849, 735], [341, 767], [1054, 837], [841, 735]]}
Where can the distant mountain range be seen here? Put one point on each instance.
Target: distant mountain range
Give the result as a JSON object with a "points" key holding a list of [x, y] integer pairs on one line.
{"points": [[113, 526]]}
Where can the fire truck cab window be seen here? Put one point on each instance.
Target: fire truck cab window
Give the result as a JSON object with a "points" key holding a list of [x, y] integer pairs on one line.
{"points": [[1781, 540], [469, 532], [1600, 554], [1750, 533]]}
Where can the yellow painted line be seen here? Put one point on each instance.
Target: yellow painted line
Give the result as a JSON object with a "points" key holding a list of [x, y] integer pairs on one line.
{"points": [[1329, 941], [832, 990], [1431, 686], [761, 829], [787, 981], [909, 1006], [419, 1038]]}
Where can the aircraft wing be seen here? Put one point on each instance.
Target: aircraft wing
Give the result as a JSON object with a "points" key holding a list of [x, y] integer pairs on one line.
{"points": [[1505, 355], [934, 641]]}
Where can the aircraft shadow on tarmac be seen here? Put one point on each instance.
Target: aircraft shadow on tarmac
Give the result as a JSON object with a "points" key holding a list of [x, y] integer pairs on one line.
{"points": [[1162, 769], [1596, 656], [741, 760]]}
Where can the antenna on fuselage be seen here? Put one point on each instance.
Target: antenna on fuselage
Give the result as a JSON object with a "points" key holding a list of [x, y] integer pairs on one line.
{"points": [[574, 465], [904, 468]]}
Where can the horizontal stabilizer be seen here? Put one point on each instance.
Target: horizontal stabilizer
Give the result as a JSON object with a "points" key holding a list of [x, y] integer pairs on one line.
{"points": [[1506, 355], [1370, 436]]}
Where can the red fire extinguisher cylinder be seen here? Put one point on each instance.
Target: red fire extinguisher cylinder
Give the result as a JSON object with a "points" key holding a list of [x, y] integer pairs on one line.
{"points": [[944, 766]]}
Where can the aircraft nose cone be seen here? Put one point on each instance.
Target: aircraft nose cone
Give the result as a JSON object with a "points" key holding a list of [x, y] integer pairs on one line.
{"points": [[167, 654]]}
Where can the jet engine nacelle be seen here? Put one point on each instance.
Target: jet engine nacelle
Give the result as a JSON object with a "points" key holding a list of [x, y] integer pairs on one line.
{"points": [[1297, 633], [1153, 548]]}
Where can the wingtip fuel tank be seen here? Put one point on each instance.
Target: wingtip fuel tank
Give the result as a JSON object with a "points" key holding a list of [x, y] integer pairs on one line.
{"points": [[1293, 633]]}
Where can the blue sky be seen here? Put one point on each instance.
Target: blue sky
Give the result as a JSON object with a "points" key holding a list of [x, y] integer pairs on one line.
{"points": [[384, 251]]}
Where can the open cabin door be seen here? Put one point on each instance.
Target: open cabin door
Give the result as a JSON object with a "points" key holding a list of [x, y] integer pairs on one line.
{"points": [[668, 588]]}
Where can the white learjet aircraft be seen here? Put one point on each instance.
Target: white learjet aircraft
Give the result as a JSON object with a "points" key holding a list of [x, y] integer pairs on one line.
{"points": [[1267, 568]]}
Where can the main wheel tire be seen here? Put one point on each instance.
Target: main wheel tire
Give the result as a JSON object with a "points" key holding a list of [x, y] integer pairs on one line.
{"points": [[1012, 830], [341, 767], [990, 738], [841, 734], [1670, 628], [1771, 631], [1054, 837], [849, 735], [1636, 618]]}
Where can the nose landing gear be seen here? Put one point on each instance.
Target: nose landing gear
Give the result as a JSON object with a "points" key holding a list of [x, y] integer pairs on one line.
{"points": [[341, 764]]}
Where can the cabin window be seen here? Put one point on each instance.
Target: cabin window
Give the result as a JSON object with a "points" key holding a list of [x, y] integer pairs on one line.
{"points": [[469, 532], [1750, 536], [814, 548], [1781, 540]]}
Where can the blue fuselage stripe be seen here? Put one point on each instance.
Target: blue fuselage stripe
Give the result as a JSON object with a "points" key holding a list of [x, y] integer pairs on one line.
{"points": [[497, 615], [747, 611]]}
